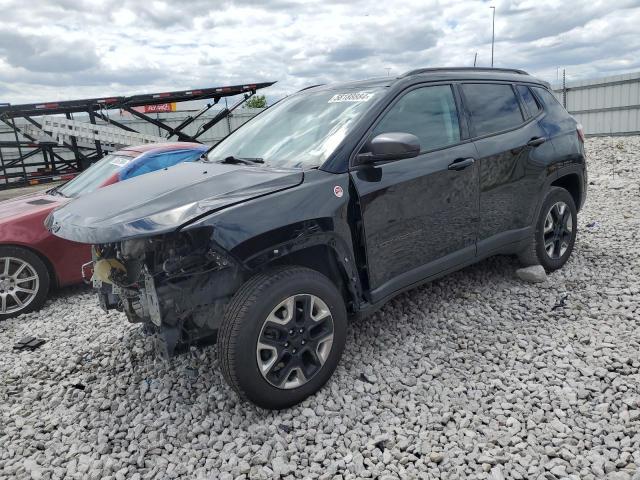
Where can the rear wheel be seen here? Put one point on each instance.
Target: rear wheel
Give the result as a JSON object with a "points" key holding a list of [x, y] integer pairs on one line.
{"points": [[555, 232], [282, 336], [24, 281]]}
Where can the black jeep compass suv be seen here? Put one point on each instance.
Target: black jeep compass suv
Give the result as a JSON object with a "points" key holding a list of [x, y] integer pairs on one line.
{"points": [[326, 205]]}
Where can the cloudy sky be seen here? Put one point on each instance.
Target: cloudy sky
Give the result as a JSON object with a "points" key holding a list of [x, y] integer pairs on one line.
{"points": [[65, 49]]}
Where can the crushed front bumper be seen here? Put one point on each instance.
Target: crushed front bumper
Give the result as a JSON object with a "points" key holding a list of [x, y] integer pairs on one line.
{"points": [[176, 284]]}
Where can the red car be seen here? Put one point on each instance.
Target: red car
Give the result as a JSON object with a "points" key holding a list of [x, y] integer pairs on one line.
{"points": [[32, 260]]}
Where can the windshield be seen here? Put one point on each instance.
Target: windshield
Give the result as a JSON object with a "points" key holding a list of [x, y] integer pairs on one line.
{"points": [[301, 131], [94, 176]]}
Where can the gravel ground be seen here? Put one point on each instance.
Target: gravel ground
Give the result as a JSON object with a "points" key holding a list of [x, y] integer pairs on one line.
{"points": [[477, 375]]}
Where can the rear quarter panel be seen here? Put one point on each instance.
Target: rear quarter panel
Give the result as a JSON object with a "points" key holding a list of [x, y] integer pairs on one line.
{"points": [[570, 156], [561, 129]]}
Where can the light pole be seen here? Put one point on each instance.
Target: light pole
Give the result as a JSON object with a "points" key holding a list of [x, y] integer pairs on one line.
{"points": [[493, 32]]}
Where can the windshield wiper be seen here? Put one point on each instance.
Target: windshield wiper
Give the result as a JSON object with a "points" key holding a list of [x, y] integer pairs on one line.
{"points": [[245, 161], [55, 191]]}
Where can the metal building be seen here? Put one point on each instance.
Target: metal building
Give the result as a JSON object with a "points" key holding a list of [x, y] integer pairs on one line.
{"points": [[604, 106]]}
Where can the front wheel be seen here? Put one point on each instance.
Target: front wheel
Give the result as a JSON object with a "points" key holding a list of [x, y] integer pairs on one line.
{"points": [[555, 232], [24, 281], [282, 336]]}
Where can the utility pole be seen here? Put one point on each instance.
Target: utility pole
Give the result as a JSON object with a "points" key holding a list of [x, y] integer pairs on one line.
{"points": [[493, 32], [564, 88], [475, 58]]}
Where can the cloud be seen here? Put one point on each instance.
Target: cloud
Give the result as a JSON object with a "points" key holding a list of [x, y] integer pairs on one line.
{"points": [[63, 49], [40, 53], [112, 78], [349, 53]]}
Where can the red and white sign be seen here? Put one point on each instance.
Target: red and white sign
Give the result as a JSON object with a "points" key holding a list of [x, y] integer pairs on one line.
{"points": [[158, 108]]}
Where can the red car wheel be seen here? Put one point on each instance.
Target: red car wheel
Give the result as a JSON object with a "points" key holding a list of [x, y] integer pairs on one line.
{"points": [[24, 281]]}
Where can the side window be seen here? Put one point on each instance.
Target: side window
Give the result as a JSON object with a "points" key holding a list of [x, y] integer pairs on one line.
{"points": [[550, 101], [530, 102], [492, 107], [429, 113]]}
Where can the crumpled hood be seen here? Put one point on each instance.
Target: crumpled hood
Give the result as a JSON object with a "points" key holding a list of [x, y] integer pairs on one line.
{"points": [[162, 201]]}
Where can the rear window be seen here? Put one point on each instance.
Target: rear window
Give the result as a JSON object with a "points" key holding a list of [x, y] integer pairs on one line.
{"points": [[550, 101], [492, 107], [529, 100]]}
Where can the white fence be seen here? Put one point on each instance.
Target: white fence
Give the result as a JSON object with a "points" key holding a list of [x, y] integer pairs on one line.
{"points": [[173, 119], [605, 106], [61, 130]]}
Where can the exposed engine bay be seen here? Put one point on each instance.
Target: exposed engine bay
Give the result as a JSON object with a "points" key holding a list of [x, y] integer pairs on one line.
{"points": [[177, 284]]}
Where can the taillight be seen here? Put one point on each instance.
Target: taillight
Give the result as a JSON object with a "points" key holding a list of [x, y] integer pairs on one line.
{"points": [[580, 131]]}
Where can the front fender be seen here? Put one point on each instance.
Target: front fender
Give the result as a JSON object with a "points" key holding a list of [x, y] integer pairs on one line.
{"points": [[265, 229]]}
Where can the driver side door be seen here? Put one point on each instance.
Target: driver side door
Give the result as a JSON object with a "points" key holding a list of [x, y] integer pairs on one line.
{"points": [[420, 215]]}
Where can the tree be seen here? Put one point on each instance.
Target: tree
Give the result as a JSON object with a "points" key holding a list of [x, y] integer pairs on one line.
{"points": [[256, 101]]}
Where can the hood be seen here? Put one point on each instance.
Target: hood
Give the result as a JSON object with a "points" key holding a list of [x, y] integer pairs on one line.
{"points": [[162, 201], [28, 205]]}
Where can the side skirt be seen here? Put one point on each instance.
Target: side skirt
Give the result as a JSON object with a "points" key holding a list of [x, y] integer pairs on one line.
{"points": [[505, 243]]}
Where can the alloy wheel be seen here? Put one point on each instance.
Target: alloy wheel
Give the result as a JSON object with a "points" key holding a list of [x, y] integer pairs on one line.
{"points": [[558, 228], [295, 341], [19, 283]]}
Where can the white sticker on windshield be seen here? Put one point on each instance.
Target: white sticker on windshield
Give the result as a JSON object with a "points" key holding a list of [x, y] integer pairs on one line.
{"points": [[120, 161], [351, 97]]}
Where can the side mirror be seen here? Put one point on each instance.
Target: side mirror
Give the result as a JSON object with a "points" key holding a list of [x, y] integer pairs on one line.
{"points": [[390, 146]]}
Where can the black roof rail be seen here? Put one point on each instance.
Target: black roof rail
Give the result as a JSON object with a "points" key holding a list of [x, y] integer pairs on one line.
{"points": [[418, 71]]}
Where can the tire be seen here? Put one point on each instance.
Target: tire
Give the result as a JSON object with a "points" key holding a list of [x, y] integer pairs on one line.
{"points": [[563, 239], [32, 276], [248, 343]]}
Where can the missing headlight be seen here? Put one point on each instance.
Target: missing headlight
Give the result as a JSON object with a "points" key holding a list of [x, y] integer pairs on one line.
{"points": [[181, 282]]}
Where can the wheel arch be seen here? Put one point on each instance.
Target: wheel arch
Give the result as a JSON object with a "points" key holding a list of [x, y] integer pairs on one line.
{"points": [[53, 276], [325, 258], [572, 183]]}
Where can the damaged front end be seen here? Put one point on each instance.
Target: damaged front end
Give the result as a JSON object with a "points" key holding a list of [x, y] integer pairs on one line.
{"points": [[177, 284]]}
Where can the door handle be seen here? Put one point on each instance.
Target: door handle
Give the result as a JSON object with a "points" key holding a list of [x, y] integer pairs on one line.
{"points": [[461, 163], [536, 141]]}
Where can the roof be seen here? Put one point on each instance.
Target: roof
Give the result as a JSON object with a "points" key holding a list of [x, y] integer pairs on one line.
{"points": [[463, 69], [436, 74], [160, 147], [470, 73]]}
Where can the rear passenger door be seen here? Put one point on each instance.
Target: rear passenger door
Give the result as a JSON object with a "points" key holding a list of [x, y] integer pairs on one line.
{"points": [[419, 213], [511, 148]]}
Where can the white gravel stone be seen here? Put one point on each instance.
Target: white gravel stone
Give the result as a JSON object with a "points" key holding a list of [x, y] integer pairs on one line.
{"points": [[501, 377], [533, 274]]}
